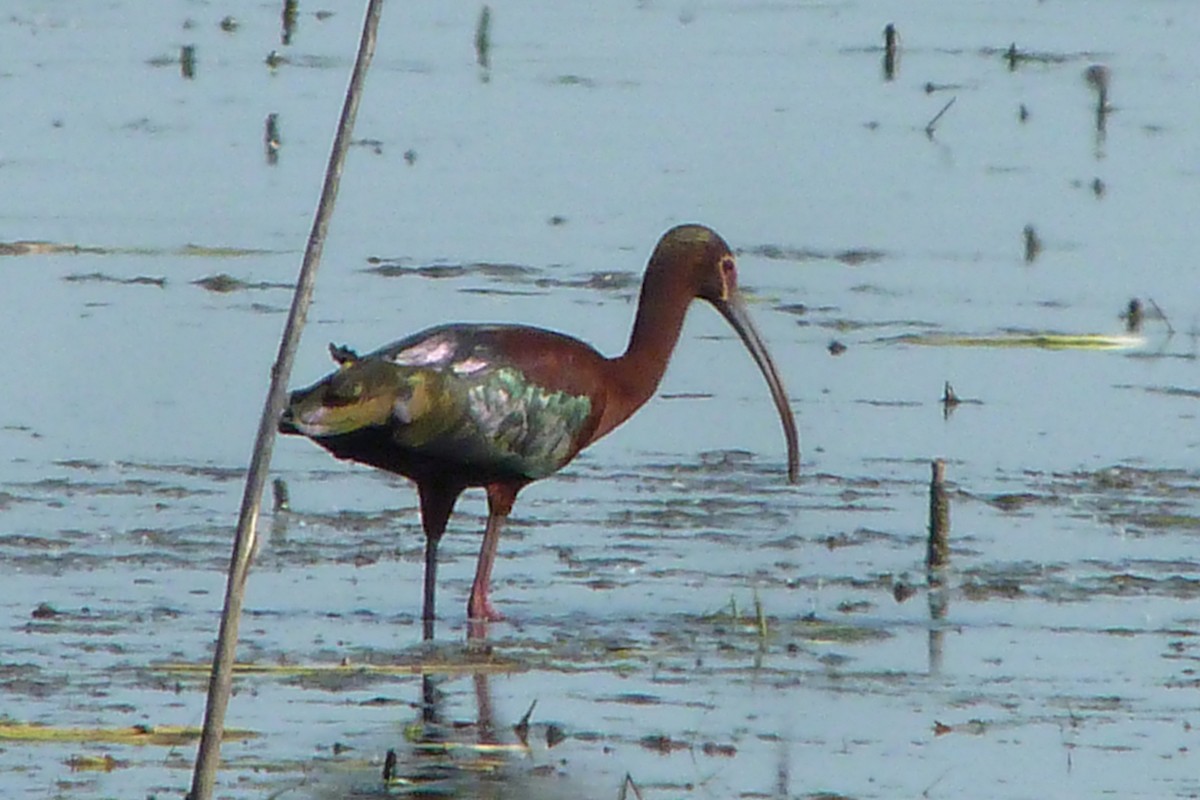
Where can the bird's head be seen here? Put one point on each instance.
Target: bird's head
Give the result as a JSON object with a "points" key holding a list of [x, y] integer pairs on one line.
{"points": [[360, 394], [697, 257]]}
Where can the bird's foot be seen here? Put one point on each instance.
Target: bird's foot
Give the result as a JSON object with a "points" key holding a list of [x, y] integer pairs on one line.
{"points": [[480, 609]]}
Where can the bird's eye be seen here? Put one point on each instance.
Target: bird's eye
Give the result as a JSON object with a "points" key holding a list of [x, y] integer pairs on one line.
{"points": [[728, 269]]}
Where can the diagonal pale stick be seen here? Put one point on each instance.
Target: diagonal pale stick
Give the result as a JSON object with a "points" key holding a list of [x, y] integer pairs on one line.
{"points": [[221, 682]]}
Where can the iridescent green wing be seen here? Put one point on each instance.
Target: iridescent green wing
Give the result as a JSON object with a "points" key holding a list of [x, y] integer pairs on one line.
{"points": [[467, 401]]}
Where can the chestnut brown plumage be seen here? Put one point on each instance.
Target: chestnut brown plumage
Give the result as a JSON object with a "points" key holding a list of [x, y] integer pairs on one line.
{"points": [[499, 406]]}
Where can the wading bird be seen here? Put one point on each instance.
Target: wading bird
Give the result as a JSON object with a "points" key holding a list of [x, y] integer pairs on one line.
{"points": [[500, 406]]}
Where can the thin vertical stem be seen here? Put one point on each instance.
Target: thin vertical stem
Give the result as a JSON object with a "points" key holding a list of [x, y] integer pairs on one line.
{"points": [[221, 682]]}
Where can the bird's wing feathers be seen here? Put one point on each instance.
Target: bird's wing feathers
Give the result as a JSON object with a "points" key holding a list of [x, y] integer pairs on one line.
{"points": [[498, 397]]}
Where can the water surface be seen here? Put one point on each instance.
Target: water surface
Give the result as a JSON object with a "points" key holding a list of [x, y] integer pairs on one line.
{"points": [[678, 611]]}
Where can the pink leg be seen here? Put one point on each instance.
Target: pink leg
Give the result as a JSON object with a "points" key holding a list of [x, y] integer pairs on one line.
{"points": [[500, 501]]}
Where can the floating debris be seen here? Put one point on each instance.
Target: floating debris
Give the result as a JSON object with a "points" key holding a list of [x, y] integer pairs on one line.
{"points": [[44, 611], [554, 735], [663, 744], [522, 726], [374, 145], [627, 786], [931, 87], [712, 749]]}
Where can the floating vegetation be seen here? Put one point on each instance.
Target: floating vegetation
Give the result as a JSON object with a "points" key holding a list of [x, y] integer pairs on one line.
{"points": [[1158, 521], [607, 280], [275, 59], [100, 277], [105, 763], [395, 268], [852, 257], [432, 666], [1035, 339], [23, 247], [1015, 56], [374, 145], [575, 80], [1168, 391], [809, 629], [38, 248], [162, 736], [208, 251], [223, 283], [620, 280], [162, 60]]}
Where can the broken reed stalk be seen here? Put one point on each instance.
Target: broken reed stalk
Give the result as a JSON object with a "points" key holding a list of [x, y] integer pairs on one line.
{"points": [[221, 681], [1162, 315], [628, 784], [938, 553], [933, 122]]}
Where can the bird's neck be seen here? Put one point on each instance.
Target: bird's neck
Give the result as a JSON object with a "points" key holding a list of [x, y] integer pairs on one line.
{"points": [[656, 328]]}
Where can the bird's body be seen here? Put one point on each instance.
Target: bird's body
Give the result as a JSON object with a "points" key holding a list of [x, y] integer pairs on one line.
{"points": [[499, 406], [471, 403]]}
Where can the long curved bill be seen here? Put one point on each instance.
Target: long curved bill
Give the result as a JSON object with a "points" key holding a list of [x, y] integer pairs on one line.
{"points": [[734, 310]]}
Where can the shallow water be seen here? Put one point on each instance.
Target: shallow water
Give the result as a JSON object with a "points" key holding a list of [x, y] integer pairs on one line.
{"points": [[1058, 658]]}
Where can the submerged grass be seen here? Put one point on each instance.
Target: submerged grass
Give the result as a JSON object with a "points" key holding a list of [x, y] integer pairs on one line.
{"points": [[432, 667], [26, 247], [162, 736], [1034, 339]]}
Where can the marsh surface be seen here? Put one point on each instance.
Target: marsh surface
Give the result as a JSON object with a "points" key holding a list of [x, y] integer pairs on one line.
{"points": [[678, 611]]}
